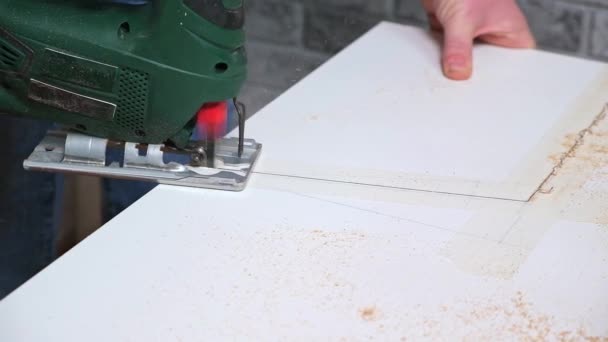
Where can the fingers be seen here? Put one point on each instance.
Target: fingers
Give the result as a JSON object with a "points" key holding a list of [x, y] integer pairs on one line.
{"points": [[508, 27], [434, 23], [498, 22], [457, 55], [522, 39]]}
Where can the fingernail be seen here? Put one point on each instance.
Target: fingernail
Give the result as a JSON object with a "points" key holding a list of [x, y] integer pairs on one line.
{"points": [[456, 63]]}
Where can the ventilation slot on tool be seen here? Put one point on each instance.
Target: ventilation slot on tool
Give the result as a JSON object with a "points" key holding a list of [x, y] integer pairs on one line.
{"points": [[10, 58], [132, 100]]}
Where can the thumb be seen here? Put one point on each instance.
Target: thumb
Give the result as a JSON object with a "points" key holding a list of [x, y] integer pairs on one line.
{"points": [[457, 55]]}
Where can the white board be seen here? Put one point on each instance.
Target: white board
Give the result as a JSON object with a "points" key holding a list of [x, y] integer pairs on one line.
{"points": [[382, 113], [188, 265]]}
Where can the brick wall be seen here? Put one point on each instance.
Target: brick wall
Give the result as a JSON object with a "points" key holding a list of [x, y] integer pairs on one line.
{"points": [[289, 38]]}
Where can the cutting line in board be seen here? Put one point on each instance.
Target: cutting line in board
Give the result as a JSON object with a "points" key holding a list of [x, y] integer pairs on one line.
{"points": [[393, 187], [400, 218], [580, 139], [508, 231]]}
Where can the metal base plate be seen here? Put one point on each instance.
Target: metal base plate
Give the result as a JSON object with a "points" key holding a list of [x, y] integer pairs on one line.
{"points": [[65, 152]]}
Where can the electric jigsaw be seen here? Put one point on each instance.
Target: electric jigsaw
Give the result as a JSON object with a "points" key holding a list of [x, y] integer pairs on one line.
{"points": [[130, 86]]}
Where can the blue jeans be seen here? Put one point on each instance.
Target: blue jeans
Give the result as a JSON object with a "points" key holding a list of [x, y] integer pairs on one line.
{"points": [[28, 205], [30, 202]]}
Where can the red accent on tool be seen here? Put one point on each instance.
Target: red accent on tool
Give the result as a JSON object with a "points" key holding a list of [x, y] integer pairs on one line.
{"points": [[211, 120]]}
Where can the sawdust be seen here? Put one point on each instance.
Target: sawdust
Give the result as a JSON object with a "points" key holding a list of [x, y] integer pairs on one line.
{"points": [[579, 152], [599, 148], [584, 154], [578, 187], [576, 190], [514, 320], [569, 141], [319, 232], [304, 262], [332, 238], [369, 313], [556, 158]]}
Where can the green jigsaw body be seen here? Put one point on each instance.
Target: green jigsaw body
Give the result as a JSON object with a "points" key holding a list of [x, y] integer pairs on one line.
{"points": [[128, 73]]}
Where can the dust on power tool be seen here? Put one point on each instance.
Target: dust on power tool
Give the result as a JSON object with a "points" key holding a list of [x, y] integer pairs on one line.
{"points": [[129, 84]]}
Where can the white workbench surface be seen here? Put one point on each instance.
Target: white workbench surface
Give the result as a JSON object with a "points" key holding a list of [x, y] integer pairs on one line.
{"points": [[505, 236]]}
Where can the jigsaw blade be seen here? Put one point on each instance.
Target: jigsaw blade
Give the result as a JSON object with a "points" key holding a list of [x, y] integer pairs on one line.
{"points": [[211, 122]]}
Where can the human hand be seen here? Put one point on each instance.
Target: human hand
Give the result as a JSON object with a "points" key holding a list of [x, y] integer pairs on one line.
{"points": [[498, 22]]}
